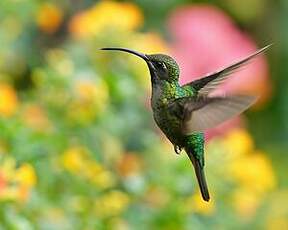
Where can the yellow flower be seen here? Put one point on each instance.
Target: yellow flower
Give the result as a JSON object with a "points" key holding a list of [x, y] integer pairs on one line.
{"points": [[277, 223], [7, 168], [74, 158], [49, 18], [246, 174], [105, 15], [196, 204], [104, 179], [26, 178], [77, 160], [16, 183], [25, 175], [86, 90], [277, 211], [95, 173], [81, 112], [254, 172], [246, 202], [9, 194], [238, 142], [90, 100], [111, 204], [149, 43], [8, 100]]}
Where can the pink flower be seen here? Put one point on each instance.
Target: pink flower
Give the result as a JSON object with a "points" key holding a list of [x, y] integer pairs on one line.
{"points": [[205, 40]]}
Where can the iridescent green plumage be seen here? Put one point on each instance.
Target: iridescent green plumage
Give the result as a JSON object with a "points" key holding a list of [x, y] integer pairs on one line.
{"points": [[163, 93], [183, 113]]}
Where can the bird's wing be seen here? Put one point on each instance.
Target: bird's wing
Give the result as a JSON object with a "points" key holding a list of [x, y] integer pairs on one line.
{"points": [[208, 83], [202, 113]]}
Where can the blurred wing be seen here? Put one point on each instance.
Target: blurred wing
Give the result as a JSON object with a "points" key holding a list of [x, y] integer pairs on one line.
{"points": [[208, 83], [201, 114]]}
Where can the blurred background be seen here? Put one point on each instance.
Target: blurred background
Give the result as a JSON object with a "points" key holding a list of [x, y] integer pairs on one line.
{"points": [[78, 145]]}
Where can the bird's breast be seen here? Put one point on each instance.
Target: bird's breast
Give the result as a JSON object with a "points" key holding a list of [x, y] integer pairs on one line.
{"points": [[169, 124]]}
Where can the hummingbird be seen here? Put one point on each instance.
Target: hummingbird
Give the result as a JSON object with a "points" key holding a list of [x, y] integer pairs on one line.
{"points": [[185, 112]]}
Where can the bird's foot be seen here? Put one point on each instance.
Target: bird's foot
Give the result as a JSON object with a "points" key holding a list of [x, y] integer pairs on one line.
{"points": [[177, 149]]}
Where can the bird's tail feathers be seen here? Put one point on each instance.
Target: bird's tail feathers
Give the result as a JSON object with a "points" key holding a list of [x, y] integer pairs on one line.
{"points": [[199, 171]]}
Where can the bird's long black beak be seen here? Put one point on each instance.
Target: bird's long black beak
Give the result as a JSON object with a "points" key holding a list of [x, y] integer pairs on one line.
{"points": [[151, 67], [141, 55]]}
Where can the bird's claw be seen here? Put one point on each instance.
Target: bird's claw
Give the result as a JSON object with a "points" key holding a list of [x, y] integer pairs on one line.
{"points": [[177, 149]]}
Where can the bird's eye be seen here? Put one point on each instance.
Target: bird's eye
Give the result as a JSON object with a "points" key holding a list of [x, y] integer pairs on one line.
{"points": [[160, 65], [161, 69]]}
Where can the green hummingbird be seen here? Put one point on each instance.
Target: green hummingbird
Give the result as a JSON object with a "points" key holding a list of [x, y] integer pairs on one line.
{"points": [[184, 112]]}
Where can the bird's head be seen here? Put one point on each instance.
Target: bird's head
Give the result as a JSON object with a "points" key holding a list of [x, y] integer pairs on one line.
{"points": [[162, 67]]}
